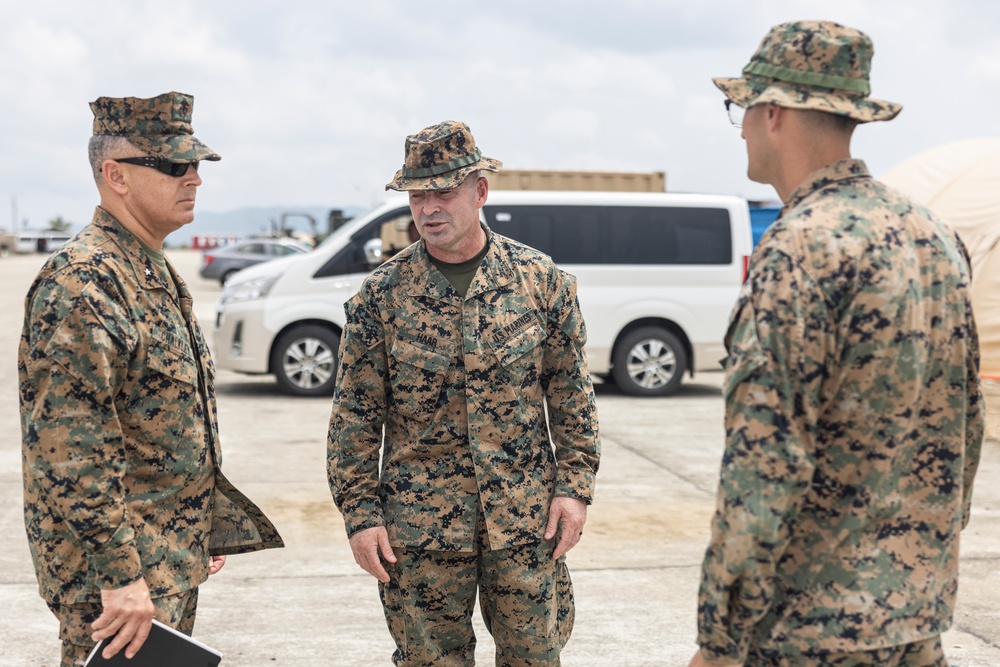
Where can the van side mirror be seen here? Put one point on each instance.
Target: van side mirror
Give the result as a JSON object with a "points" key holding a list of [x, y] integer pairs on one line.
{"points": [[373, 252]]}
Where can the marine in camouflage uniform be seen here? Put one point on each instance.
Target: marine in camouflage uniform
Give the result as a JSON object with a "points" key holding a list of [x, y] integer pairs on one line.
{"points": [[122, 479], [854, 418], [471, 486]]}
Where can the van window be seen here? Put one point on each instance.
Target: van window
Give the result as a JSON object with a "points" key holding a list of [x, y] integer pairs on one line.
{"points": [[618, 234]]}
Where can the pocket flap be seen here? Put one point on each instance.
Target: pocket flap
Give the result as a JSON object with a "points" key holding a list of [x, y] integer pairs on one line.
{"points": [[410, 353], [168, 360], [518, 345]]}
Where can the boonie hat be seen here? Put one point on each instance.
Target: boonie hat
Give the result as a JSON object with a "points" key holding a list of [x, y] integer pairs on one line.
{"points": [[811, 65], [159, 126], [439, 157]]}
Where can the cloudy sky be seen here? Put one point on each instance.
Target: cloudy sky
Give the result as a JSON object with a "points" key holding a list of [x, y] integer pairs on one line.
{"points": [[309, 101]]}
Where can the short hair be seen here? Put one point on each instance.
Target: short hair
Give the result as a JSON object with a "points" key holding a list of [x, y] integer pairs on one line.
{"points": [[826, 121], [108, 146], [473, 177]]}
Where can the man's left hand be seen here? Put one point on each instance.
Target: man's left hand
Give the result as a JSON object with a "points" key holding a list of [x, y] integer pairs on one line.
{"points": [[571, 513]]}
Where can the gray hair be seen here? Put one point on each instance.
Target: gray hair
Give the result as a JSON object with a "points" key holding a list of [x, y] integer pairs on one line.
{"points": [[473, 176], [108, 147]]}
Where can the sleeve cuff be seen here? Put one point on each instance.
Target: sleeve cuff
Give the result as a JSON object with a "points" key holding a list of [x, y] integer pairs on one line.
{"points": [[577, 484], [360, 518], [720, 660], [116, 567]]}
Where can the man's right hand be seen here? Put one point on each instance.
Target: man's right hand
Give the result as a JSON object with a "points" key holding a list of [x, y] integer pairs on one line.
{"points": [[127, 611], [366, 545]]}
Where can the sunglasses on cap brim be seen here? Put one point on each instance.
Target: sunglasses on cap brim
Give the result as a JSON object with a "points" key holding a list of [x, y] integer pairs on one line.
{"points": [[175, 169]]}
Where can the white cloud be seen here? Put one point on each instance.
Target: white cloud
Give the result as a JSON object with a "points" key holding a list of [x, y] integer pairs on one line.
{"points": [[309, 102], [571, 123], [985, 64]]}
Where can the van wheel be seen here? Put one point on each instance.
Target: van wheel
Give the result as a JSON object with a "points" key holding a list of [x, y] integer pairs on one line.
{"points": [[304, 360], [649, 361]]}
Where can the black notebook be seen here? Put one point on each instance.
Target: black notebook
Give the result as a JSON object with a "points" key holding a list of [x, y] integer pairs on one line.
{"points": [[165, 647]]}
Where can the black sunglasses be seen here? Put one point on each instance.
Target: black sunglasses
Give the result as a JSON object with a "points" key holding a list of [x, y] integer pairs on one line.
{"points": [[175, 169]]}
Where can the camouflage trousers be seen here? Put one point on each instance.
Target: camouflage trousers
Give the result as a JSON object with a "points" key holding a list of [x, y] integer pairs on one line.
{"points": [[177, 611], [525, 596], [927, 653]]}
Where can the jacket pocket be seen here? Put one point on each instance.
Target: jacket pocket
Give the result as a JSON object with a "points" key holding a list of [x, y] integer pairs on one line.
{"points": [[746, 356], [167, 356], [418, 383]]}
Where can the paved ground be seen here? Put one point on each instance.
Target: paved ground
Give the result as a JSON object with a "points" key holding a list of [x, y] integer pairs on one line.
{"points": [[635, 573]]}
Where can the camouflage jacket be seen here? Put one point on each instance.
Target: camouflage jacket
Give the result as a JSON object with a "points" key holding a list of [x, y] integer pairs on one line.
{"points": [[120, 442], [461, 388], [854, 422]]}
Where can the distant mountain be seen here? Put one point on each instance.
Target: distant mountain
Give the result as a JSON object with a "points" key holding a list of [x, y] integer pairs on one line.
{"points": [[246, 222]]}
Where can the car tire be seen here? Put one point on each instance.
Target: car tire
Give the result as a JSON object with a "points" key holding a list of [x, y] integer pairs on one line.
{"points": [[649, 361], [226, 276], [304, 360]]}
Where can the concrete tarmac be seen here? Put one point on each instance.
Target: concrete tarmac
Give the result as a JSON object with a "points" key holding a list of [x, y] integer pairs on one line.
{"points": [[635, 573]]}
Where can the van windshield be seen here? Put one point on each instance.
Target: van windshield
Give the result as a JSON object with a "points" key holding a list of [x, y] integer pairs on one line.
{"points": [[351, 226]]}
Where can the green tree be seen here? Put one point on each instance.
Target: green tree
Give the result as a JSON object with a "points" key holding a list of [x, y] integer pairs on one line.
{"points": [[57, 224]]}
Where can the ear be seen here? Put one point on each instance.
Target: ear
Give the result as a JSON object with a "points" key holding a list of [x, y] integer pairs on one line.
{"points": [[114, 177], [776, 117], [482, 191]]}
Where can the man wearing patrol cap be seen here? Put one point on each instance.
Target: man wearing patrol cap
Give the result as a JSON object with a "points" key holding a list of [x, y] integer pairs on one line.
{"points": [[854, 418], [455, 347], [126, 508]]}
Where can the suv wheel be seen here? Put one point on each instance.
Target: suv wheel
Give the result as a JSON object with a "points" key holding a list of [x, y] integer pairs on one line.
{"points": [[305, 361], [649, 361]]}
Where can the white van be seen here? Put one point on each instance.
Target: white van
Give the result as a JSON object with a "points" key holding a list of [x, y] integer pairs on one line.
{"points": [[658, 274]]}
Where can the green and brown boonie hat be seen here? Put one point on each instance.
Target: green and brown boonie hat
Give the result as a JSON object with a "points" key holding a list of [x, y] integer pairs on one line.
{"points": [[159, 126], [816, 65], [439, 157]]}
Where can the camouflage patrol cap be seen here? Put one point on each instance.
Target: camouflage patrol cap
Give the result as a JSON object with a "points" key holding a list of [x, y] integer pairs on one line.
{"points": [[439, 157], [159, 126], [811, 65]]}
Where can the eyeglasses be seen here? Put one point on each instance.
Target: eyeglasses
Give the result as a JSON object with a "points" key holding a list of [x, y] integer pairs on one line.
{"points": [[175, 169], [736, 113]]}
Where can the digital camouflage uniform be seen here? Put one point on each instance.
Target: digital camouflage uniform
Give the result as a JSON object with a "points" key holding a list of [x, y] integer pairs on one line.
{"points": [[854, 418], [853, 428], [121, 453], [468, 469], [460, 386]]}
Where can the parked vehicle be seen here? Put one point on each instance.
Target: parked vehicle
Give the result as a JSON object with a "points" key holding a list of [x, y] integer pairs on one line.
{"points": [[222, 262], [658, 275], [29, 241]]}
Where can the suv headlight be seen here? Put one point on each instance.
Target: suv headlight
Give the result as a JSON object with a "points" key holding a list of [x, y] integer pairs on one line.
{"points": [[247, 291]]}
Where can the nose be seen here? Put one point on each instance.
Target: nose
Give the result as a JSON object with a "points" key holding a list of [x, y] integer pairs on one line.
{"points": [[430, 205], [192, 175]]}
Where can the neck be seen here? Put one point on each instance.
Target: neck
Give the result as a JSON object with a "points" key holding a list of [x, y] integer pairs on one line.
{"points": [[121, 212], [799, 164]]}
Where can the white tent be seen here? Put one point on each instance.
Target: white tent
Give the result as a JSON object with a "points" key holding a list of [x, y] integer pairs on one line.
{"points": [[961, 182]]}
